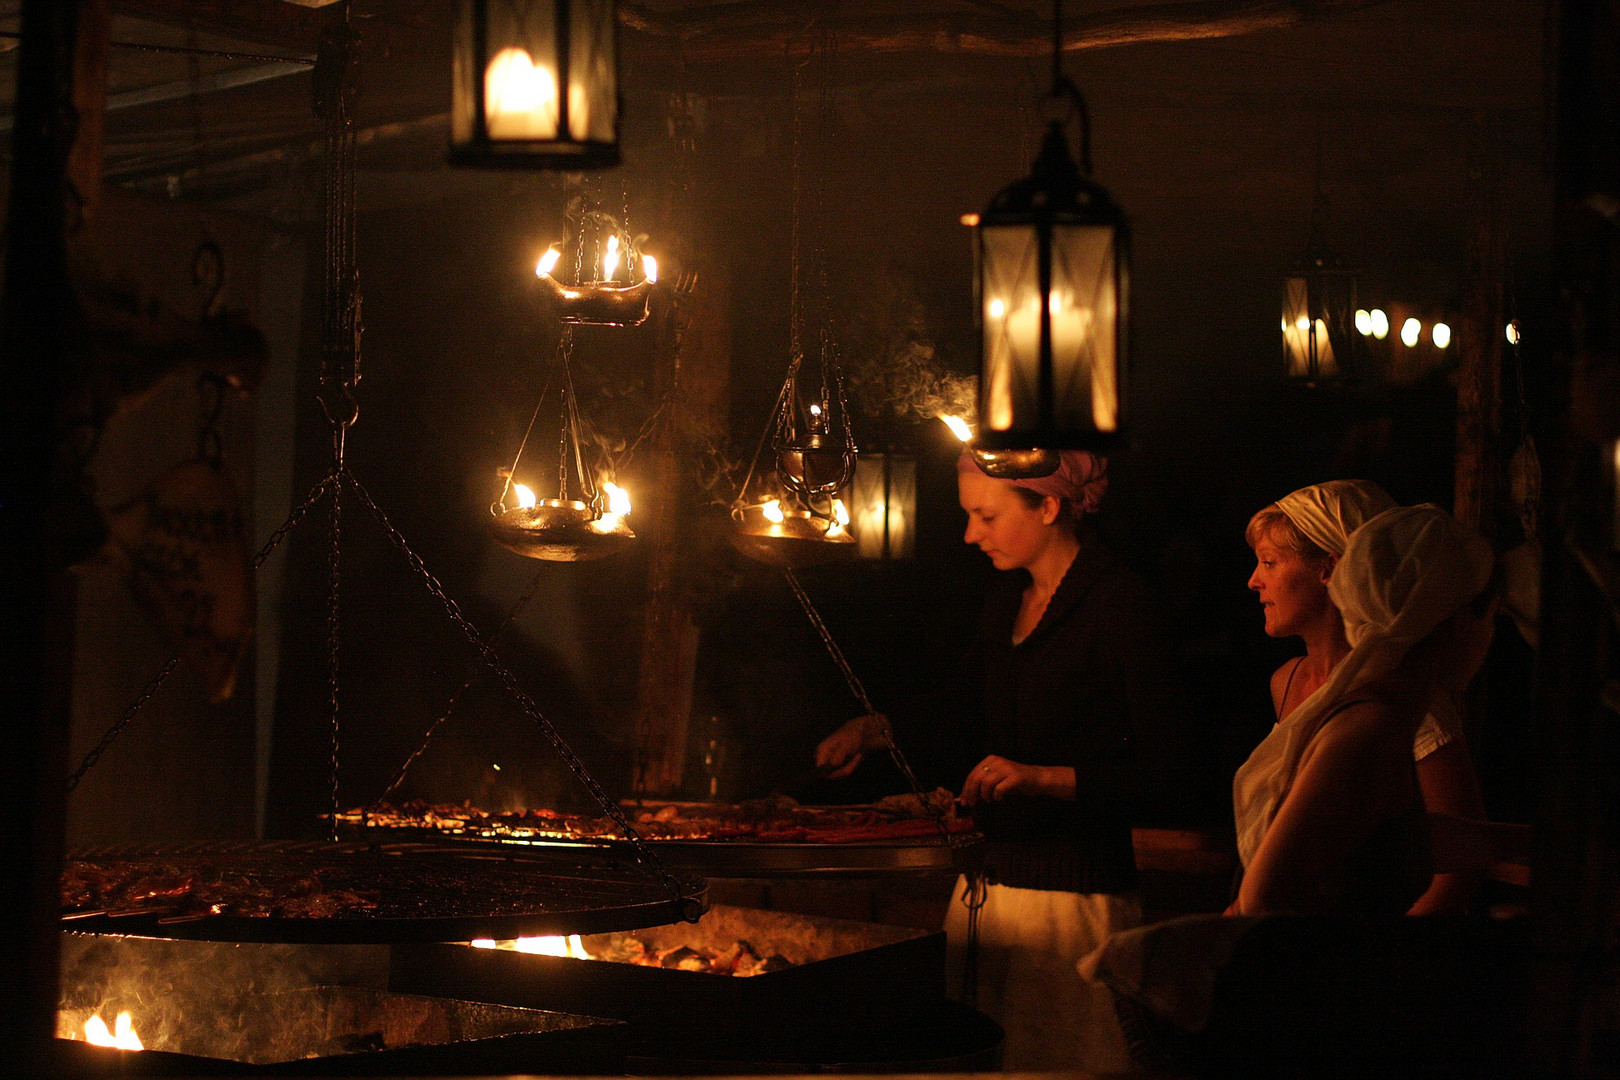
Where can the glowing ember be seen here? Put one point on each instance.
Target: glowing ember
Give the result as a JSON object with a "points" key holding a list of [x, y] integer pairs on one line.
{"points": [[773, 512], [959, 427], [525, 496], [121, 1037], [548, 262]]}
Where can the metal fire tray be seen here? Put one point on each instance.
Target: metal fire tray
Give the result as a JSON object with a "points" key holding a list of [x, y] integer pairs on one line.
{"points": [[326, 1030], [367, 893], [839, 982]]}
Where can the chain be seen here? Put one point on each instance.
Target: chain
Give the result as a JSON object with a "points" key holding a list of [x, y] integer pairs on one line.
{"points": [[332, 626], [508, 680], [450, 706], [859, 691], [975, 891], [117, 729]]}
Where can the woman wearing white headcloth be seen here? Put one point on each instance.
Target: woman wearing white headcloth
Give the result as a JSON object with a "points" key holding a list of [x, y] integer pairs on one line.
{"points": [[1329, 814], [1297, 542]]}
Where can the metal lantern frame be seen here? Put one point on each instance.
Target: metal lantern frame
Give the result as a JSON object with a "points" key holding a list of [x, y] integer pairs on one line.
{"points": [[575, 44], [1320, 296], [1053, 238]]}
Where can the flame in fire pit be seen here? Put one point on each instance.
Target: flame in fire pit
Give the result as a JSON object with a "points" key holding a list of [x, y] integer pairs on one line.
{"points": [[570, 947], [121, 1037]]}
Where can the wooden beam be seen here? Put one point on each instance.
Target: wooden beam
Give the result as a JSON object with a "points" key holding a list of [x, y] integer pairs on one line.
{"points": [[760, 28]]}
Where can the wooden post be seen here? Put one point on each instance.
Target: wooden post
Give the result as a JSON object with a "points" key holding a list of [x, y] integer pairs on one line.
{"points": [[55, 182], [1574, 889], [692, 376], [1479, 466]]}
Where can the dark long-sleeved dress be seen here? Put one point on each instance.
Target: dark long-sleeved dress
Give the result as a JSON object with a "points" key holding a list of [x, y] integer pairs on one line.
{"points": [[1088, 689]]}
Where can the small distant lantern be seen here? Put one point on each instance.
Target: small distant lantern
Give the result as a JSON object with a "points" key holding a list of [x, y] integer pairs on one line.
{"points": [[1052, 255], [1321, 338], [535, 84]]}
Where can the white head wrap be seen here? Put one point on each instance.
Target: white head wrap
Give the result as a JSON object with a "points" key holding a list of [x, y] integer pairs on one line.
{"points": [[1402, 574], [1328, 513]]}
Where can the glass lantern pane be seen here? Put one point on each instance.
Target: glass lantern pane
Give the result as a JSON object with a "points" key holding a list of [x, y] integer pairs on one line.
{"points": [[520, 73], [593, 94], [882, 499], [1307, 344], [1085, 328], [1010, 313]]}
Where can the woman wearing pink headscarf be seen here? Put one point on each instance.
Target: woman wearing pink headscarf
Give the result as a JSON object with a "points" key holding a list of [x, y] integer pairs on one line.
{"points": [[1071, 675]]}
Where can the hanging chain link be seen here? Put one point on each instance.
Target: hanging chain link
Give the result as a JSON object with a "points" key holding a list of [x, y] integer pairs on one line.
{"points": [[494, 639], [524, 701], [333, 597], [859, 691], [134, 708]]}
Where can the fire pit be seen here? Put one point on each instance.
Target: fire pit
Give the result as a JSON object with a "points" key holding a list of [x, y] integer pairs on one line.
{"points": [[206, 1008], [741, 985]]}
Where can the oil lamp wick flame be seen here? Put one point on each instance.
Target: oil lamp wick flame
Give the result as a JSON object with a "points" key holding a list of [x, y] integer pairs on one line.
{"points": [[525, 496], [548, 262], [959, 427], [610, 258]]}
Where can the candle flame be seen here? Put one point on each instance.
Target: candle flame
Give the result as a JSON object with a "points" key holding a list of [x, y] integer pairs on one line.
{"points": [[773, 512], [525, 496], [959, 427], [122, 1037], [610, 258], [520, 97], [548, 262], [649, 268]]}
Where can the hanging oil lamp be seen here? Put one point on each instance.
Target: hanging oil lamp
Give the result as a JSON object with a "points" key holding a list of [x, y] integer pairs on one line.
{"points": [[598, 297], [807, 524], [563, 529]]}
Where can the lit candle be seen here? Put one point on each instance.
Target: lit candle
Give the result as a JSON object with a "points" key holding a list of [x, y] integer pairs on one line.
{"points": [[520, 97]]}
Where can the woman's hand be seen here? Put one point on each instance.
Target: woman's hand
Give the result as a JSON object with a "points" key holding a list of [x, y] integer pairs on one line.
{"points": [[995, 778], [841, 752]]}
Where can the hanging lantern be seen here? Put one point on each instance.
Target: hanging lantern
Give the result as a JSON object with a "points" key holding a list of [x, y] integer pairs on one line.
{"points": [[1052, 280], [1320, 339], [884, 500], [535, 84]]}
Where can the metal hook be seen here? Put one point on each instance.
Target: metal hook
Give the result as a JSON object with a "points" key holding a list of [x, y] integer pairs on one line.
{"points": [[208, 271]]}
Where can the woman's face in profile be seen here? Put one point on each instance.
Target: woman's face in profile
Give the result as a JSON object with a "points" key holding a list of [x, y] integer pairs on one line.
{"points": [[1000, 523], [1292, 589]]}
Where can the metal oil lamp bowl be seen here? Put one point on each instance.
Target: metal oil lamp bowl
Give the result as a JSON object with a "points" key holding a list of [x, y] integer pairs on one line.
{"points": [[1022, 464], [799, 539], [597, 303], [560, 530], [814, 465]]}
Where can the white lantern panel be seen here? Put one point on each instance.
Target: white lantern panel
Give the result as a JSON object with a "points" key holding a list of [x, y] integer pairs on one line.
{"points": [[592, 84]]}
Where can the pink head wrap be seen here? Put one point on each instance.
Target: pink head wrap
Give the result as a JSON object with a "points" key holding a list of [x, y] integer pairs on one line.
{"points": [[1081, 478]]}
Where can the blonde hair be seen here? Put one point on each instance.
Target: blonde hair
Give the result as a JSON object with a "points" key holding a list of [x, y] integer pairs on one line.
{"points": [[1272, 524]]}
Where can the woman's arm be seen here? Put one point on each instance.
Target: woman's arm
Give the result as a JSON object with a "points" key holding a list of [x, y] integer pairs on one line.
{"points": [[1357, 775], [1450, 786]]}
